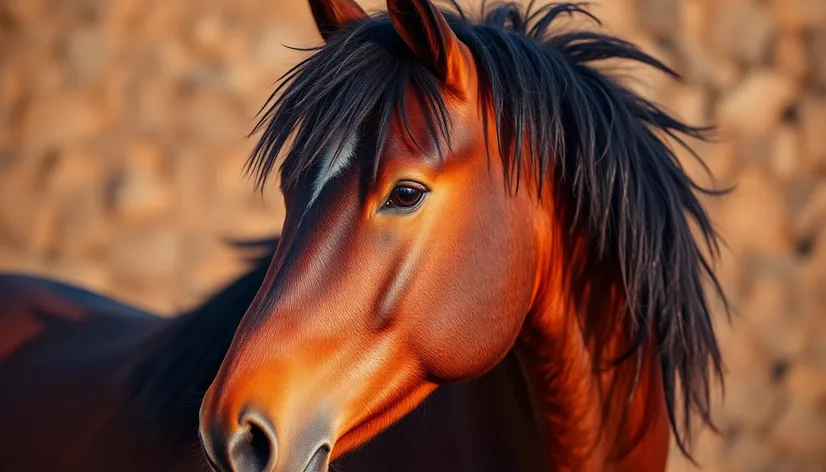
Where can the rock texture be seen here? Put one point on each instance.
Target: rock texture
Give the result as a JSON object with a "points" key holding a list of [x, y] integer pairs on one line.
{"points": [[123, 130]]}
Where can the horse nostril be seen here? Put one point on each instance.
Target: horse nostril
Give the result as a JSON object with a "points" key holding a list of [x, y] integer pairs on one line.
{"points": [[254, 447], [260, 444]]}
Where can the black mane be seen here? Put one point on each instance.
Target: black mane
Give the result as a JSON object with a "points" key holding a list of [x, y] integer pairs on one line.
{"points": [[176, 365], [596, 139]]}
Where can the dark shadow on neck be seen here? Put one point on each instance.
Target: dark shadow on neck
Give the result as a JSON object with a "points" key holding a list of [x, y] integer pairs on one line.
{"points": [[485, 424], [175, 365]]}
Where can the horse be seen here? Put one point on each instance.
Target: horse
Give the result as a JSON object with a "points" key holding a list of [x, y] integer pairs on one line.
{"points": [[466, 195], [91, 384]]}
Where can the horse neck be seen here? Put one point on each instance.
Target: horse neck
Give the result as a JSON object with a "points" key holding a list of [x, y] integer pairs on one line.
{"points": [[596, 413]]}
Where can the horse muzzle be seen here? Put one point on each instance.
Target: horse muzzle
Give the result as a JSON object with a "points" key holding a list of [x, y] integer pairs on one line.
{"points": [[251, 444]]}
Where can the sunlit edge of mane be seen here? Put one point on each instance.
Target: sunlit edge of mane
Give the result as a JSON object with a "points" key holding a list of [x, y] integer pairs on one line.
{"points": [[597, 140]]}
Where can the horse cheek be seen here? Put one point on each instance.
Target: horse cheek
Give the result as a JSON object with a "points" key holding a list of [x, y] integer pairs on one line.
{"points": [[473, 314]]}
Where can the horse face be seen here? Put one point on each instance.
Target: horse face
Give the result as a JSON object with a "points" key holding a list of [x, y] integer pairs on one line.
{"points": [[394, 274]]}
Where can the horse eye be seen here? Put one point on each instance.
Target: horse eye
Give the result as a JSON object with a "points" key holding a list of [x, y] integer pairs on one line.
{"points": [[405, 197]]}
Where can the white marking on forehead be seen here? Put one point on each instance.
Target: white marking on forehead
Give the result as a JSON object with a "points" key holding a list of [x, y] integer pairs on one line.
{"points": [[330, 169]]}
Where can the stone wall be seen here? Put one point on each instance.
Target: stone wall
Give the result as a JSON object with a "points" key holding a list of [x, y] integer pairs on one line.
{"points": [[123, 130]]}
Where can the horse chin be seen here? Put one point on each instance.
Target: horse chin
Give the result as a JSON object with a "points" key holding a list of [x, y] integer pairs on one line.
{"points": [[371, 426]]}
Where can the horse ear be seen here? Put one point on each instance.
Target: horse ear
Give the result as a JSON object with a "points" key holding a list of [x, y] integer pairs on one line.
{"points": [[427, 34], [332, 16]]}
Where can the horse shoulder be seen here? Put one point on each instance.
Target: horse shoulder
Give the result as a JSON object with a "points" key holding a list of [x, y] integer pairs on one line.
{"points": [[62, 345], [31, 306]]}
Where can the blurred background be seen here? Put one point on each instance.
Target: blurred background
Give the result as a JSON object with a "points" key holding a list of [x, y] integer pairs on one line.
{"points": [[123, 132]]}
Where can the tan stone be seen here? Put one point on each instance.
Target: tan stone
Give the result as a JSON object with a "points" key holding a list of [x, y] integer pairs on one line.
{"points": [[120, 14], [690, 104], [29, 209], [16, 203], [660, 17], [174, 60], [13, 260], [801, 428], [217, 39], [25, 11], [785, 158], [51, 78], [147, 156], [756, 150], [208, 31], [707, 68], [726, 74], [139, 195], [153, 105], [790, 56], [64, 211], [238, 220], [750, 453], [141, 190], [818, 57], [812, 216], [83, 273], [211, 119], [619, 15], [798, 14], [810, 294], [694, 21], [62, 119], [796, 462], [166, 17], [229, 176], [772, 319], [750, 396], [720, 159], [757, 103], [191, 181], [152, 254], [43, 228], [753, 217], [246, 80], [812, 115], [83, 228], [89, 52], [12, 88], [807, 382], [817, 349], [76, 169], [743, 30], [269, 54]]}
